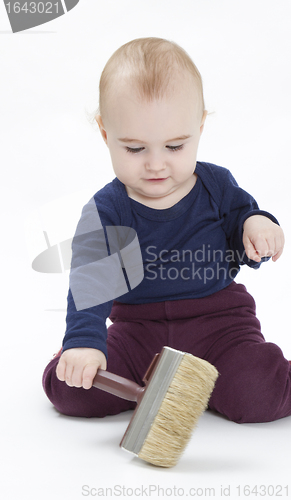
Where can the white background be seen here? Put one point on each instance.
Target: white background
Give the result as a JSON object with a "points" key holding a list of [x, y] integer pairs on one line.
{"points": [[48, 79]]}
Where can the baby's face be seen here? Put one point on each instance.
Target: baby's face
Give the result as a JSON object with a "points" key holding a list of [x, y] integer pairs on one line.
{"points": [[153, 145]]}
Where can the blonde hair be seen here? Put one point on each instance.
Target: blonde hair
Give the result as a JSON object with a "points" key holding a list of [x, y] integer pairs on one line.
{"points": [[151, 64]]}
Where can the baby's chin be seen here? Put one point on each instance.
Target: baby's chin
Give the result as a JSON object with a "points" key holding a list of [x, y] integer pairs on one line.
{"points": [[155, 198]]}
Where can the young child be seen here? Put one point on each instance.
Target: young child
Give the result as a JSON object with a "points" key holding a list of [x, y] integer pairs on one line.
{"points": [[195, 227]]}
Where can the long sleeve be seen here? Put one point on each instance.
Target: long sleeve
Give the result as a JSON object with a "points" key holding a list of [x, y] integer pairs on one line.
{"points": [[236, 207], [86, 328], [89, 300]]}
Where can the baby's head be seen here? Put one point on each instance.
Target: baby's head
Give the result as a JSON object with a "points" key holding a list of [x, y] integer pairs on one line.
{"points": [[151, 68], [151, 116]]}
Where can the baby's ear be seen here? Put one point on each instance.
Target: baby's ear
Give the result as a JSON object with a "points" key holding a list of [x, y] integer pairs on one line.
{"points": [[101, 127], [203, 121]]}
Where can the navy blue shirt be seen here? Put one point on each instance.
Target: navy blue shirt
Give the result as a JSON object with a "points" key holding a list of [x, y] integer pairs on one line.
{"points": [[190, 250]]}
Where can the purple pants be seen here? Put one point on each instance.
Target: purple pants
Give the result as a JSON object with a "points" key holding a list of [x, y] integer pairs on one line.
{"points": [[254, 381]]}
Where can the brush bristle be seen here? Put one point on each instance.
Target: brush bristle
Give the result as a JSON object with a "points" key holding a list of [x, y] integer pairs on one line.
{"points": [[186, 399]]}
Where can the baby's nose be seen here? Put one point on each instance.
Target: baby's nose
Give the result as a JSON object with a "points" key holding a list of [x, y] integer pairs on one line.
{"points": [[156, 163]]}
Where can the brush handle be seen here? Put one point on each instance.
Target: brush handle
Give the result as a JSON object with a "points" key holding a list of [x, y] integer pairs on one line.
{"points": [[118, 386]]}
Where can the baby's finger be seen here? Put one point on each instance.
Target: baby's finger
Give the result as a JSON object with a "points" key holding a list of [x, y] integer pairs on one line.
{"points": [[61, 369], [280, 242], [76, 379], [279, 251], [263, 247], [89, 373], [251, 251], [275, 248], [69, 375], [277, 255]]}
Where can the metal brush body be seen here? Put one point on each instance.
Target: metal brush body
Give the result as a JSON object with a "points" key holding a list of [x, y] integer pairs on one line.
{"points": [[176, 392], [156, 389]]}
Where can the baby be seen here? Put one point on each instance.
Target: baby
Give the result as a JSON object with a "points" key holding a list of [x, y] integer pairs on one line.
{"points": [[195, 227]]}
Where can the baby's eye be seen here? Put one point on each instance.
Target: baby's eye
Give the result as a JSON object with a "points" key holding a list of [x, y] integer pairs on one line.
{"points": [[175, 148], [133, 150]]}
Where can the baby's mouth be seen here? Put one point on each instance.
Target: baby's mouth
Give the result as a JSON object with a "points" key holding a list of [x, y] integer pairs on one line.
{"points": [[159, 179]]}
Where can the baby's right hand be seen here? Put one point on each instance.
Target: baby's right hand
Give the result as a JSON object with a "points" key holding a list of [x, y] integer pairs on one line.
{"points": [[78, 367]]}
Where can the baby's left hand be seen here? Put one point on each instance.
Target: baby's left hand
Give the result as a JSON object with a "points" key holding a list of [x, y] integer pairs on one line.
{"points": [[262, 238]]}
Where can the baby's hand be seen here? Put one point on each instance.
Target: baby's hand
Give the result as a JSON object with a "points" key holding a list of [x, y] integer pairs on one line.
{"points": [[262, 238], [78, 366]]}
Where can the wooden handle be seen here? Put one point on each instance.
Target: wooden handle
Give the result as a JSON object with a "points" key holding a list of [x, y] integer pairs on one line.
{"points": [[118, 386]]}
